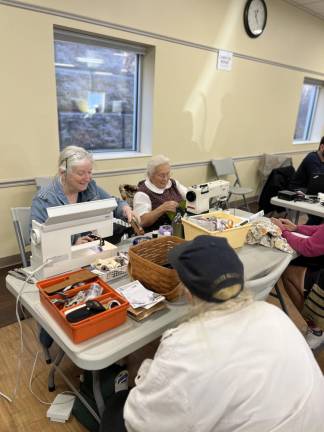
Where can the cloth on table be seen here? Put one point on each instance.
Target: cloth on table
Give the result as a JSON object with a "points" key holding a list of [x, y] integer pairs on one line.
{"points": [[265, 233]]}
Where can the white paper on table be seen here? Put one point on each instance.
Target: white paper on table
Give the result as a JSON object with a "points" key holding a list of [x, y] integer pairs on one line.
{"points": [[138, 296]]}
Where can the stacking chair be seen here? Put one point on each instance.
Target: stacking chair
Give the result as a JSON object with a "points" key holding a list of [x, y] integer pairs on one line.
{"points": [[226, 167], [21, 221], [42, 181]]}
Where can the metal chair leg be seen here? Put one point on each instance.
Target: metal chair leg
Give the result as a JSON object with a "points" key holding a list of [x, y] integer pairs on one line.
{"points": [[246, 203], [47, 355], [279, 296], [51, 375], [46, 352]]}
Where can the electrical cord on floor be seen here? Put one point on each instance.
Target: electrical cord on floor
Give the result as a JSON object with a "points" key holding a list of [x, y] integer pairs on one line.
{"points": [[35, 395], [21, 351], [31, 378]]}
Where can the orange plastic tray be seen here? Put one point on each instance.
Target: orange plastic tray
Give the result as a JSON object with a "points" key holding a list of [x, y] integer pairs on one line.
{"points": [[93, 325]]}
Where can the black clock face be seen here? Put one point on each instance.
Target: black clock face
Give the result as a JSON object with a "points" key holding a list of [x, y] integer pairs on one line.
{"points": [[255, 17]]}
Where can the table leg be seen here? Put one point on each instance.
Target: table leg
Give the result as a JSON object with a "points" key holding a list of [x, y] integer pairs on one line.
{"points": [[281, 300], [77, 393], [297, 217], [97, 392]]}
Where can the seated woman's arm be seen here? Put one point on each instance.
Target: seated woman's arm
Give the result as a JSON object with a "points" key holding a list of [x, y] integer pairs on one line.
{"points": [[307, 229], [122, 211], [143, 209], [309, 247]]}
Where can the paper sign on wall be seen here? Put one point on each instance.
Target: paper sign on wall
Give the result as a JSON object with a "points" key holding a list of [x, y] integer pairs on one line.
{"points": [[224, 61]]}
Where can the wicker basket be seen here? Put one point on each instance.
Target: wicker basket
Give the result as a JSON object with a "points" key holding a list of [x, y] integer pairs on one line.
{"points": [[145, 264]]}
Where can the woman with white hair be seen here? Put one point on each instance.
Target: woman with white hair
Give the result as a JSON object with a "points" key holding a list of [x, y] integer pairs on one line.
{"points": [[157, 194], [74, 184], [237, 365]]}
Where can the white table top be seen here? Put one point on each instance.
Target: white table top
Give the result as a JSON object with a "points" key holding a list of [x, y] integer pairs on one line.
{"points": [[106, 348], [315, 209]]}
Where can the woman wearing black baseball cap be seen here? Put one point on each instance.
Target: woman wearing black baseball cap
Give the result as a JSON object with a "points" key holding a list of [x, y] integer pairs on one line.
{"points": [[238, 365]]}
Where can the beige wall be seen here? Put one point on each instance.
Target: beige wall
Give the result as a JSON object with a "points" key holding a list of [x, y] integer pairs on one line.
{"points": [[199, 113]]}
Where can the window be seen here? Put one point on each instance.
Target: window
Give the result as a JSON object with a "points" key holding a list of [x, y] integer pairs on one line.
{"points": [[98, 83], [309, 123]]}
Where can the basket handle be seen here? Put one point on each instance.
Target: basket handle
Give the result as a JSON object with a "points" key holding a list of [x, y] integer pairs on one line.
{"points": [[173, 291]]}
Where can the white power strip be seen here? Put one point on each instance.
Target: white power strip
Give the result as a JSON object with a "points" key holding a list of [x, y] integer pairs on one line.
{"points": [[61, 408]]}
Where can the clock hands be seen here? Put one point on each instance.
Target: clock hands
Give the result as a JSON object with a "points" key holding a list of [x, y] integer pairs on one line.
{"points": [[256, 12]]}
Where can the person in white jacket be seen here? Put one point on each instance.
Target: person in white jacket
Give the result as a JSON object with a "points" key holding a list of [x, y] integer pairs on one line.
{"points": [[236, 365]]}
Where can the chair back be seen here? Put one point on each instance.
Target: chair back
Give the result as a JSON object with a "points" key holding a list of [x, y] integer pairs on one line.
{"points": [[224, 167], [42, 181], [21, 222], [127, 192]]}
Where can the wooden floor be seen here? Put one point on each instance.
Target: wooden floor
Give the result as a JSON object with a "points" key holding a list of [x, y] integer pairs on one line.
{"points": [[26, 413]]}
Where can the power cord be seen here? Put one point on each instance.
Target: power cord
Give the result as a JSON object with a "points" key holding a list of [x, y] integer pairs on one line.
{"points": [[35, 395], [20, 354], [31, 378]]}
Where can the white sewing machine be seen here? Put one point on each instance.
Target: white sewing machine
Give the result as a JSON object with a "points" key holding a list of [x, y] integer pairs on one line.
{"points": [[51, 241], [198, 196]]}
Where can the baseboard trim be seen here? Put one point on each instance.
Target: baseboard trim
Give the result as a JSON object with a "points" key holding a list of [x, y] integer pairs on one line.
{"points": [[10, 261]]}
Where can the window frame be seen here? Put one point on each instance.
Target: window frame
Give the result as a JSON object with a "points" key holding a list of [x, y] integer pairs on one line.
{"points": [[308, 135], [79, 36]]}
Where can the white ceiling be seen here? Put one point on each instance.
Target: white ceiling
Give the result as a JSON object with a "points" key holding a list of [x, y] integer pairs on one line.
{"points": [[314, 7]]}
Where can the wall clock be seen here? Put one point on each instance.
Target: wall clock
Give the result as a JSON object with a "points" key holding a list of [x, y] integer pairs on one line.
{"points": [[255, 17]]}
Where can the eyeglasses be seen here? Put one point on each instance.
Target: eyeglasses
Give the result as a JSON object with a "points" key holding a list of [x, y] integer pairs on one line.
{"points": [[163, 175]]}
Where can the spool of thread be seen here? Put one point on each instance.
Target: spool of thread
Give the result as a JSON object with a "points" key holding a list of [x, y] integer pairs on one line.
{"points": [[165, 230], [140, 239], [112, 303]]}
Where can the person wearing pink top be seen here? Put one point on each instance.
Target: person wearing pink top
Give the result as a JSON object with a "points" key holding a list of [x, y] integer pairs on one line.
{"points": [[312, 245], [304, 278]]}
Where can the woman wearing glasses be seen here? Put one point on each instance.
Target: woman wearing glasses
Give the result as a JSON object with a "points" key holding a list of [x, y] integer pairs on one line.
{"points": [[157, 194], [74, 184]]}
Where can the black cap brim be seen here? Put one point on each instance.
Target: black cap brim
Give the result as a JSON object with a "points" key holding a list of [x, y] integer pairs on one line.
{"points": [[173, 255]]}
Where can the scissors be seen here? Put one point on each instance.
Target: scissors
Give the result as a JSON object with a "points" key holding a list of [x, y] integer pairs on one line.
{"points": [[19, 274]]}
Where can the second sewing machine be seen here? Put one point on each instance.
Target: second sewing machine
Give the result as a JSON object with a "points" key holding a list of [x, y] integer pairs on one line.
{"points": [[199, 197]]}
